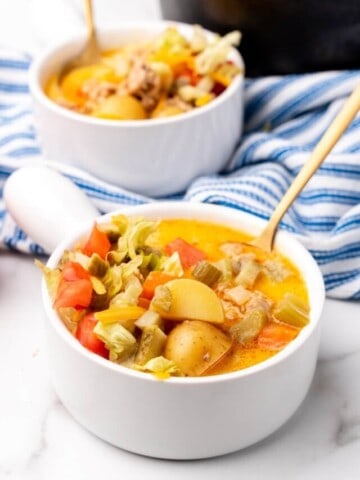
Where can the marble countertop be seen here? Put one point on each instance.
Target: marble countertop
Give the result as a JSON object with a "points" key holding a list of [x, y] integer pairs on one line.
{"points": [[40, 440]]}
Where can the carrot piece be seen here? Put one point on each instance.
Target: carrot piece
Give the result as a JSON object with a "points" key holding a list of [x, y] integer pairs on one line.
{"points": [[275, 335], [144, 302], [97, 242], [189, 255], [154, 279]]}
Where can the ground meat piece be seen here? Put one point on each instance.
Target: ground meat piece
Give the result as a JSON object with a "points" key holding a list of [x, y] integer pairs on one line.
{"points": [[231, 311], [97, 91], [142, 82], [259, 300]]}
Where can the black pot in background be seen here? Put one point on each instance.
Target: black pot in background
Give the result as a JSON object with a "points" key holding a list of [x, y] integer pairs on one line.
{"points": [[281, 36]]}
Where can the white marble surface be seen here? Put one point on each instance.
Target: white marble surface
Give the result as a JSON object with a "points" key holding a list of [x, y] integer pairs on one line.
{"points": [[38, 438]]}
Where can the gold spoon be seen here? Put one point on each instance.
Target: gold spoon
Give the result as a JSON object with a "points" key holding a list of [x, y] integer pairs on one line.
{"points": [[90, 53], [337, 127]]}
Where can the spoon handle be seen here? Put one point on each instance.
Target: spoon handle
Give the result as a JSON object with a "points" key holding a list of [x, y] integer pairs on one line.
{"points": [[89, 18], [325, 145]]}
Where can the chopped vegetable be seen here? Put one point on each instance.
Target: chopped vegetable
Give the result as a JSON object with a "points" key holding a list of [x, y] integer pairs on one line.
{"points": [[74, 271], [214, 54], [120, 314], [120, 107], [98, 287], [144, 302], [151, 345], [195, 346], [249, 272], [292, 310], [206, 273], [188, 298], [86, 336], [52, 278], [149, 318], [189, 255], [224, 265], [71, 317], [161, 367], [153, 280], [162, 300], [171, 265], [97, 266], [118, 340], [130, 295], [75, 287], [275, 336], [250, 326], [97, 242]]}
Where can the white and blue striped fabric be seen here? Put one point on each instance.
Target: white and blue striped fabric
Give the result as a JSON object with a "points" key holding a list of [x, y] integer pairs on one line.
{"points": [[284, 119]]}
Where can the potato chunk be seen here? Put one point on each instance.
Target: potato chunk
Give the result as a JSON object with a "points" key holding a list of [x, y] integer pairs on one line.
{"points": [[194, 346], [188, 299]]}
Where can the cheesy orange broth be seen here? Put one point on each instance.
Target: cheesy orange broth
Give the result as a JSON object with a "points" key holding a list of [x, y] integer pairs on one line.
{"points": [[208, 237]]}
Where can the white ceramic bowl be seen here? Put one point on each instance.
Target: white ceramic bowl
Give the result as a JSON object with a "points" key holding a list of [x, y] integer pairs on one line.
{"points": [[153, 157], [180, 418]]}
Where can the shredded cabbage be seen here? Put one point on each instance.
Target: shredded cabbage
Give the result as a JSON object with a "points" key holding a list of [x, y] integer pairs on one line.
{"points": [[171, 265], [216, 53], [52, 278], [130, 295], [161, 367], [118, 340]]}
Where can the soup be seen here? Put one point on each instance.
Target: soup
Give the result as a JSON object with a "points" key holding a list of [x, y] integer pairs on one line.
{"points": [[166, 76], [177, 297]]}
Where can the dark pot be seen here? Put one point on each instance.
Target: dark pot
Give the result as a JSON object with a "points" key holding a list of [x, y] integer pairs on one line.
{"points": [[281, 36]]}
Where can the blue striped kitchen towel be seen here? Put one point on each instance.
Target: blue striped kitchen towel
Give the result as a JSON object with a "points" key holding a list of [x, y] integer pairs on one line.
{"points": [[284, 119]]}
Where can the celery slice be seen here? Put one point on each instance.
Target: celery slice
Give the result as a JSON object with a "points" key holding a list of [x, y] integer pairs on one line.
{"points": [[292, 310], [151, 345], [162, 299], [250, 326], [148, 319], [206, 273], [97, 266]]}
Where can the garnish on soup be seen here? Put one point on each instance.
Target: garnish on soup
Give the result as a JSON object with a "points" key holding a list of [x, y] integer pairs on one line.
{"points": [[177, 297], [164, 77]]}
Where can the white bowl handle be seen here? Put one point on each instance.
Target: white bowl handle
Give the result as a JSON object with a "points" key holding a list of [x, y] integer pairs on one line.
{"points": [[46, 205]]}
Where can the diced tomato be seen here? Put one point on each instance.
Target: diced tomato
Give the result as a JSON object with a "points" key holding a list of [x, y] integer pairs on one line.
{"points": [[76, 294], [74, 271], [144, 302], [154, 279], [86, 336], [189, 255], [183, 71], [97, 242], [218, 88], [275, 335]]}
